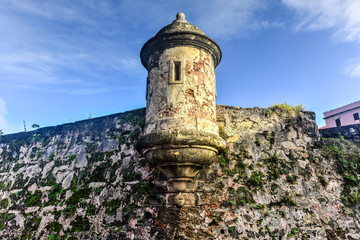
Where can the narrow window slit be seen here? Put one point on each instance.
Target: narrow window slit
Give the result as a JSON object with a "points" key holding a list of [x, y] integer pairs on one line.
{"points": [[177, 69]]}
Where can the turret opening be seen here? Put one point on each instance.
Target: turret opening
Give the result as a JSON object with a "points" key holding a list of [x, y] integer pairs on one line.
{"points": [[177, 71]]}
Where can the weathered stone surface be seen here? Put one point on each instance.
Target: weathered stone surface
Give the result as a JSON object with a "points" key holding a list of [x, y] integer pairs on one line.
{"points": [[260, 188], [180, 135]]}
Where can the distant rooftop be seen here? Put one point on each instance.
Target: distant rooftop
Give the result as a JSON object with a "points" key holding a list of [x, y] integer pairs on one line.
{"points": [[357, 102], [342, 109]]}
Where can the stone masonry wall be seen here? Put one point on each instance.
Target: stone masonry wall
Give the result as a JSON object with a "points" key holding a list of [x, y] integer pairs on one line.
{"points": [[276, 180], [349, 132]]}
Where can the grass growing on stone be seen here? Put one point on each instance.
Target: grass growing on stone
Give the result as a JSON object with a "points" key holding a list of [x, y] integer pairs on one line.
{"points": [[284, 107], [348, 166]]}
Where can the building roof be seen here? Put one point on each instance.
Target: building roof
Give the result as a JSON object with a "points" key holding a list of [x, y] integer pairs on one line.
{"points": [[180, 25], [340, 110], [178, 33]]}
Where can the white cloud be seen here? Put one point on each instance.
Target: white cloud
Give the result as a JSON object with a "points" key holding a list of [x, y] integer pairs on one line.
{"points": [[233, 18], [3, 112], [77, 45], [5, 126], [342, 16], [63, 43], [353, 70]]}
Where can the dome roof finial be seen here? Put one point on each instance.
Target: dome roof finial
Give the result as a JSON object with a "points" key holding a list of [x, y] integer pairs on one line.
{"points": [[180, 16]]}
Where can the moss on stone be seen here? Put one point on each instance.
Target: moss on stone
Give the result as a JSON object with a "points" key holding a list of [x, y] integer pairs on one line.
{"points": [[73, 238], [135, 118], [96, 157], [257, 142], [54, 227], [75, 198], [25, 236], [16, 196], [276, 167], [53, 237], [100, 172], [4, 203], [122, 139], [134, 134], [285, 200], [32, 223], [69, 210], [291, 179], [348, 165], [51, 156], [18, 166], [19, 182], [90, 147], [72, 157], [80, 224], [222, 160], [5, 218], [130, 175], [91, 210], [322, 180], [243, 196], [56, 189], [255, 180], [33, 199], [50, 180], [111, 206], [141, 189]]}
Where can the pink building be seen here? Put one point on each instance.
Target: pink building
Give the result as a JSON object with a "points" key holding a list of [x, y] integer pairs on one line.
{"points": [[342, 116]]}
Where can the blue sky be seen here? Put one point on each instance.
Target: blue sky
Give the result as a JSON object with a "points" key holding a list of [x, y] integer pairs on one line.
{"points": [[64, 61]]}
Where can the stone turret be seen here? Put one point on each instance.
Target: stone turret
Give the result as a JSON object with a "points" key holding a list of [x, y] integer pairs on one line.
{"points": [[181, 135]]}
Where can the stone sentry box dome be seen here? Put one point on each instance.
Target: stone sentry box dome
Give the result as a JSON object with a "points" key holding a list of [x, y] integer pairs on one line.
{"points": [[180, 135]]}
